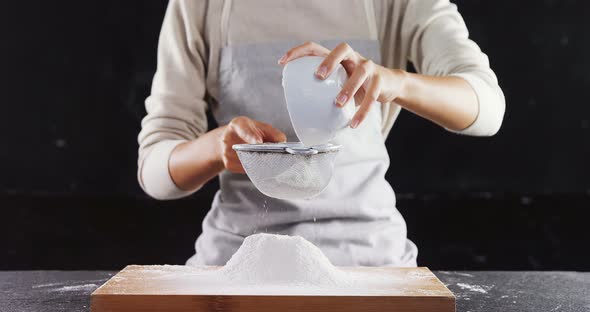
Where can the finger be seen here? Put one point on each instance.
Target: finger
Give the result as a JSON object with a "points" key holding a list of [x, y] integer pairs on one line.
{"points": [[341, 53], [359, 96], [235, 165], [351, 63], [354, 83], [229, 139], [232, 161], [230, 157], [271, 134], [305, 49], [248, 133], [274, 135], [371, 95]]}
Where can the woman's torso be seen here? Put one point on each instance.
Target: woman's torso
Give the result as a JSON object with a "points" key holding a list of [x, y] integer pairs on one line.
{"points": [[354, 221]]}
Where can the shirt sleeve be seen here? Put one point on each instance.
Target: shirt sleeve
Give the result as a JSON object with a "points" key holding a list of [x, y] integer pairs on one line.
{"points": [[439, 45], [176, 109]]}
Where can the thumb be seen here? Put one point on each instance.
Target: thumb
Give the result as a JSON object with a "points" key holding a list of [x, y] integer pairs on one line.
{"points": [[272, 134]]}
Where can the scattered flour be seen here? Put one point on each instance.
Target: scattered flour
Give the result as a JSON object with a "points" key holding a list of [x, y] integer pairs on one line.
{"points": [[53, 286], [455, 273], [419, 274], [76, 288], [46, 285], [474, 288], [280, 259]]}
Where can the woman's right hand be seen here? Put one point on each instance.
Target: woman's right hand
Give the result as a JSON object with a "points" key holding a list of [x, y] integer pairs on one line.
{"points": [[243, 130]]}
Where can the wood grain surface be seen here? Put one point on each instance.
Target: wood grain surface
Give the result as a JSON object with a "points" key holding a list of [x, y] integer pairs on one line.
{"points": [[175, 288]]}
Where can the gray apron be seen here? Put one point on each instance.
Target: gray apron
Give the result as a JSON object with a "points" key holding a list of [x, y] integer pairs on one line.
{"points": [[354, 221]]}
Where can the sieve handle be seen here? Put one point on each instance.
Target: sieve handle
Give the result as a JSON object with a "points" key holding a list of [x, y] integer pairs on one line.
{"points": [[301, 151]]}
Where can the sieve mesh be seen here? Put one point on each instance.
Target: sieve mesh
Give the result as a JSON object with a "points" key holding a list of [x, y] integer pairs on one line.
{"points": [[288, 176]]}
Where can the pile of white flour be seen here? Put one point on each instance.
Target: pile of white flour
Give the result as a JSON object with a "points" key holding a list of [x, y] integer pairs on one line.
{"points": [[280, 259], [269, 264]]}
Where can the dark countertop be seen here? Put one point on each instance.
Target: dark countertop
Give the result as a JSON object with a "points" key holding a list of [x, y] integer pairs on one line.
{"points": [[475, 291]]}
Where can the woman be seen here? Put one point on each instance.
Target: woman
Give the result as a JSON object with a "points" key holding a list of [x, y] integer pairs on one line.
{"points": [[222, 55]]}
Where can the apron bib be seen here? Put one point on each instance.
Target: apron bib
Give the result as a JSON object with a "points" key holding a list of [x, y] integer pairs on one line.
{"points": [[354, 221]]}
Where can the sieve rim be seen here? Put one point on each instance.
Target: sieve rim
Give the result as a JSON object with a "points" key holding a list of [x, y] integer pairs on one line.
{"points": [[282, 147]]}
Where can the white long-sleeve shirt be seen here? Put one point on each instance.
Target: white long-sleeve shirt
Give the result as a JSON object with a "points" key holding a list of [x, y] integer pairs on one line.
{"points": [[429, 33]]}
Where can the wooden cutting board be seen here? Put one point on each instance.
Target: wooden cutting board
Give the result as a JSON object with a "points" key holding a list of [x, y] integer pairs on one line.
{"points": [[180, 288]]}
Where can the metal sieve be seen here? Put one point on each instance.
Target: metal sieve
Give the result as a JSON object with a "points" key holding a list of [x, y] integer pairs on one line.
{"points": [[288, 170]]}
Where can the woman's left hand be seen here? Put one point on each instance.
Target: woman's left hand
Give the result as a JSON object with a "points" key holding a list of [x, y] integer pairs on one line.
{"points": [[368, 82]]}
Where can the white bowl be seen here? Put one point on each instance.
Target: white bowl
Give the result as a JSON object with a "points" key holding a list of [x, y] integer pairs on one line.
{"points": [[311, 101]]}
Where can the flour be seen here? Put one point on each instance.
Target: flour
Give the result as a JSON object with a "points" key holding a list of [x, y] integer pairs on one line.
{"points": [[297, 176], [302, 175], [288, 176], [279, 259], [268, 264], [474, 288], [86, 287]]}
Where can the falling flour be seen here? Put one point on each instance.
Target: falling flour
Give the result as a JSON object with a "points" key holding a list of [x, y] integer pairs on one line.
{"points": [[281, 259]]}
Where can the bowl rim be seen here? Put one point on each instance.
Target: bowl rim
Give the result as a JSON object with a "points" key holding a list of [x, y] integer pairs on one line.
{"points": [[282, 147]]}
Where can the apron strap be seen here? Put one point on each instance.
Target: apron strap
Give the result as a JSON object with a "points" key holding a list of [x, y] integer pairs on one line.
{"points": [[371, 19], [389, 111], [227, 4]]}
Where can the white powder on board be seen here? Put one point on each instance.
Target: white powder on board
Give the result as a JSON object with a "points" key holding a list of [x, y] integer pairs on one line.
{"points": [[268, 264], [280, 259]]}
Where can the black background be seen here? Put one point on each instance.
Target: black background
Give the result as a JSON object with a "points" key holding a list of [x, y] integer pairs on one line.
{"points": [[76, 73]]}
